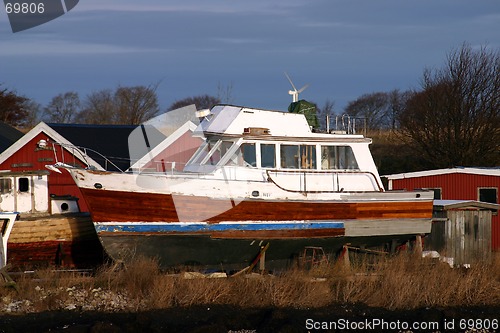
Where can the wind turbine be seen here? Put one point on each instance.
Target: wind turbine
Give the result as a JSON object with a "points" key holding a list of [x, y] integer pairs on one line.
{"points": [[295, 93]]}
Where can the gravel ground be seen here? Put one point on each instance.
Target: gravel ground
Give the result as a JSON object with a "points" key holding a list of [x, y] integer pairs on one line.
{"points": [[232, 319]]}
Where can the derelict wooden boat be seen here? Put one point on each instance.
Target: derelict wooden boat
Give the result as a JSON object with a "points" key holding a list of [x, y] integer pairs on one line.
{"points": [[68, 241], [260, 177]]}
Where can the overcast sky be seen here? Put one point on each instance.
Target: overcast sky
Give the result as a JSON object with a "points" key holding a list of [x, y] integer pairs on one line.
{"points": [[342, 48]]}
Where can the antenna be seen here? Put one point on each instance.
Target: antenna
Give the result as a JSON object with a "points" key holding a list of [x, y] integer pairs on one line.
{"points": [[295, 93]]}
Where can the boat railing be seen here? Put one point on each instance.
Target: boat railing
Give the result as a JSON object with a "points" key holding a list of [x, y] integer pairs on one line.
{"points": [[80, 153], [327, 181], [89, 156], [345, 124], [154, 166]]}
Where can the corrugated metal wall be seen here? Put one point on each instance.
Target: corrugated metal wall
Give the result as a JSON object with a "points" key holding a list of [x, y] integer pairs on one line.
{"points": [[457, 186]]}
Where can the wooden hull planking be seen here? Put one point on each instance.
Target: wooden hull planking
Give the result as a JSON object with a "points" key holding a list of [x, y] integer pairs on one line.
{"points": [[121, 206], [131, 223], [66, 241]]}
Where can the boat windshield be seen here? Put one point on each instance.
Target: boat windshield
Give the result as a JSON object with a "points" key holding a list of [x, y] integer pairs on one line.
{"points": [[211, 152]]}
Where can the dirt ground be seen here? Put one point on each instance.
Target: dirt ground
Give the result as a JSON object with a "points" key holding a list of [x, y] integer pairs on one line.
{"points": [[336, 318]]}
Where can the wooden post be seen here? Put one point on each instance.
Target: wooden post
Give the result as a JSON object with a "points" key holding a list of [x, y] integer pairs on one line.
{"points": [[262, 263], [8, 280], [260, 257], [418, 245], [345, 257]]}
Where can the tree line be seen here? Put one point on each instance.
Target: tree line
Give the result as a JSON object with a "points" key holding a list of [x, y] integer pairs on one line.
{"points": [[453, 119], [123, 105]]}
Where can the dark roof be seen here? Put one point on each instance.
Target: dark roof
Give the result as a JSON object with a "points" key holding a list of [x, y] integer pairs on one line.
{"points": [[112, 141], [8, 135], [464, 204]]}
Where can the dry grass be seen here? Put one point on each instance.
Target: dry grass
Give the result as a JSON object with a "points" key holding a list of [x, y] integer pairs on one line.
{"points": [[401, 282]]}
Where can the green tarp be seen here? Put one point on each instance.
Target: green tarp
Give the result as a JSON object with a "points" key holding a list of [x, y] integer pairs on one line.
{"points": [[306, 108]]}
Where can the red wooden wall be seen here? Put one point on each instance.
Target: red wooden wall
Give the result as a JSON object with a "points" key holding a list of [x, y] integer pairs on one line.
{"points": [[457, 186], [29, 158]]}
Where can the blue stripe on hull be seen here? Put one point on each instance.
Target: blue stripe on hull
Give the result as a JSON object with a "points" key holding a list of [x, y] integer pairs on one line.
{"points": [[202, 227]]}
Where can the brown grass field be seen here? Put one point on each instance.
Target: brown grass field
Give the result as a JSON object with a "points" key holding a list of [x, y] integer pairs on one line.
{"points": [[394, 283], [400, 283]]}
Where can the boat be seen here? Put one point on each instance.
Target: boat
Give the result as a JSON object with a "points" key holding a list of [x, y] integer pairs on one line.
{"points": [[261, 178], [66, 241], [7, 221]]}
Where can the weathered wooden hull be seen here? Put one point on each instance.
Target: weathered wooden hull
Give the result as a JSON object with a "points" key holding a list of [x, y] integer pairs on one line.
{"points": [[204, 251], [123, 206], [64, 240], [141, 223]]}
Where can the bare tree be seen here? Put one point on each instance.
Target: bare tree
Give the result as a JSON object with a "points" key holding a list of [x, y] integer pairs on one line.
{"points": [[201, 102], [397, 102], [136, 104], [324, 111], [12, 108], [125, 105], [34, 112], [99, 107], [63, 108], [373, 107], [455, 119], [225, 93]]}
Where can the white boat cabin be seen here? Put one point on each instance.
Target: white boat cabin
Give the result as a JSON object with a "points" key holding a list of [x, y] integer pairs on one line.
{"points": [[260, 145]]}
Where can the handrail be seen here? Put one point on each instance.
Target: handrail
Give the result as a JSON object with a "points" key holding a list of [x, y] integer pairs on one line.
{"points": [[333, 173], [82, 152]]}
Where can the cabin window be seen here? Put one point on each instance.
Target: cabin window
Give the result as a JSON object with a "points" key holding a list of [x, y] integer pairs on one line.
{"points": [[489, 195], [298, 157], [5, 185], [338, 157], [437, 193], [24, 184], [308, 157], [248, 150], [268, 155], [244, 156]]}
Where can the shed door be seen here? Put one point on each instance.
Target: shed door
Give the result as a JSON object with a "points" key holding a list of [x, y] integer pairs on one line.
{"points": [[23, 192]]}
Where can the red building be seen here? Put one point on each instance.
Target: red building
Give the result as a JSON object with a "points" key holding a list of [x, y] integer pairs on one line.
{"points": [[478, 184], [112, 141]]}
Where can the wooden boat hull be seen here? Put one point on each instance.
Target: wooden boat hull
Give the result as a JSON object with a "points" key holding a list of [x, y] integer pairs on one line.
{"points": [[137, 223], [59, 240], [125, 206], [204, 251]]}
